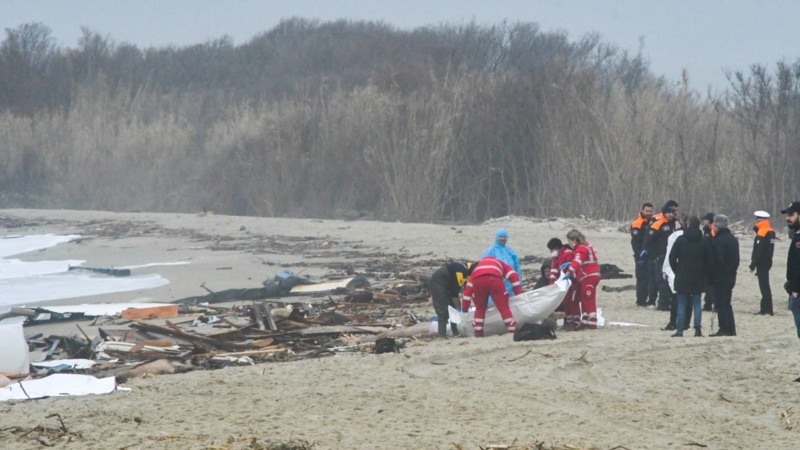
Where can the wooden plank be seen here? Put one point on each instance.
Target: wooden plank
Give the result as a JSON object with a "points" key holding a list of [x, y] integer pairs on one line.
{"points": [[320, 287], [258, 311], [270, 319], [155, 312]]}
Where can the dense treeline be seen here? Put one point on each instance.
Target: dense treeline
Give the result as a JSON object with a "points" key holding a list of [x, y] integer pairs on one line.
{"points": [[440, 123]]}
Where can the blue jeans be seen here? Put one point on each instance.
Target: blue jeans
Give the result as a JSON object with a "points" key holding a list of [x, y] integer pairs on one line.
{"points": [[794, 305], [683, 302]]}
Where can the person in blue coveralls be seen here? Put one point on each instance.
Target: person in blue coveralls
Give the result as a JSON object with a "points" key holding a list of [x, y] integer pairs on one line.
{"points": [[503, 252]]}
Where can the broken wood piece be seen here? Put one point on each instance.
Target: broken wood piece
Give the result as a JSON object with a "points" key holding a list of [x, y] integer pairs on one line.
{"points": [[23, 312], [384, 296], [155, 312], [268, 351], [263, 342], [258, 312], [270, 319], [195, 339]]}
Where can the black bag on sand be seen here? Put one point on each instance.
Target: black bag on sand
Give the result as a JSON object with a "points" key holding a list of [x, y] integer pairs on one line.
{"points": [[534, 332]]}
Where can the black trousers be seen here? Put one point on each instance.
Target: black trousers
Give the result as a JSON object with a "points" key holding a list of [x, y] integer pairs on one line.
{"points": [[766, 292], [722, 304], [642, 280], [441, 300], [708, 299]]}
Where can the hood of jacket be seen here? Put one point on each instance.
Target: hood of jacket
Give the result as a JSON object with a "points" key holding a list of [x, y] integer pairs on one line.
{"points": [[501, 232]]}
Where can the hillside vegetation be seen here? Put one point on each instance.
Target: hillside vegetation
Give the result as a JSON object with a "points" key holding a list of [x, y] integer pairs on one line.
{"points": [[445, 123]]}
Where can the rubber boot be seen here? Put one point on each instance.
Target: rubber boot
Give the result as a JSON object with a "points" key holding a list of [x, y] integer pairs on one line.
{"points": [[697, 332], [454, 328], [442, 327]]}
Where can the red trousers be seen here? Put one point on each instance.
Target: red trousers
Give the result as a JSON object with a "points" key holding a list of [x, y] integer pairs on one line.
{"points": [[483, 287], [586, 300], [572, 309]]}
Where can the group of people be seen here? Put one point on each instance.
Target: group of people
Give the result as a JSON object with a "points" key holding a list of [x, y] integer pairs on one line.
{"points": [[498, 274], [677, 261]]}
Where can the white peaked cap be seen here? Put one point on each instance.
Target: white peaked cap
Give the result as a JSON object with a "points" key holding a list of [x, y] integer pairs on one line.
{"points": [[761, 214]]}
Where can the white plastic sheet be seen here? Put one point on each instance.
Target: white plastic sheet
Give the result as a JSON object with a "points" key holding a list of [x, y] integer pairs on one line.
{"points": [[59, 385], [531, 306], [72, 363], [14, 356]]}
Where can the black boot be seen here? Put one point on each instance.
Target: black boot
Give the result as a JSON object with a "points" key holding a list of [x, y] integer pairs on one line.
{"points": [[697, 332]]}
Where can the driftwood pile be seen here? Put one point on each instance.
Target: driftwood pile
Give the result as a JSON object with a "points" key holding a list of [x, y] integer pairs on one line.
{"points": [[160, 340]]}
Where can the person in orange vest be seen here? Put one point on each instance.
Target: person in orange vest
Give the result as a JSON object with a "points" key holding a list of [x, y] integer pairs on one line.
{"points": [[655, 248], [638, 230], [488, 278], [761, 260]]}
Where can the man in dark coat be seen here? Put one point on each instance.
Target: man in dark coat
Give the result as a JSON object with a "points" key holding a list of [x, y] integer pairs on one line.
{"points": [[761, 260], [725, 249], [707, 222], [690, 259], [793, 263], [444, 286]]}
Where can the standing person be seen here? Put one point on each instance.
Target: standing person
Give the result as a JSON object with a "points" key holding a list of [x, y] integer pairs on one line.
{"points": [[444, 285], [708, 233], [669, 273], [725, 250], [761, 260], [561, 254], [655, 248], [638, 230], [585, 273], [487, 278], [690, 258], [792, 284], [503, 252]]}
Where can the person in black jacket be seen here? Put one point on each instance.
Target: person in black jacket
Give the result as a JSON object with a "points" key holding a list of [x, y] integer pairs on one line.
{"points": [[761, 260], [690, 258], [725, 248], [444, 286], [707, 223], [655, 249], [792, 284]]}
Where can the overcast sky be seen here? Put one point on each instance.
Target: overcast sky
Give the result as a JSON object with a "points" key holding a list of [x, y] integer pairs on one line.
{"points": [[703, 36]]}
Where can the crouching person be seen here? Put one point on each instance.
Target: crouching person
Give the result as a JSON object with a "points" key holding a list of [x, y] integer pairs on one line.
{"points": [[444, 287], [487, 278]]}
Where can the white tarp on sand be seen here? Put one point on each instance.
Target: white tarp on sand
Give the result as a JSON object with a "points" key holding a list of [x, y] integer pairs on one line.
{"points": [[531, 306], [59, 385]]}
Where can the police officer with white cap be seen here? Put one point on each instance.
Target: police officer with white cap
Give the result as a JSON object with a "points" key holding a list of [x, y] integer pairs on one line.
{"points": [[761, 261]]}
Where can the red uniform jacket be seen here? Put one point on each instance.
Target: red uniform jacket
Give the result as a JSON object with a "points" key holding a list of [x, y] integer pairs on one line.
{"points": [[585, 262], [489, 267], [565, 255]]}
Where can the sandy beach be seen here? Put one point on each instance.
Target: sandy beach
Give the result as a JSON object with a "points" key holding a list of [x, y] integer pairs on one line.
{"points": [[623, 387]]}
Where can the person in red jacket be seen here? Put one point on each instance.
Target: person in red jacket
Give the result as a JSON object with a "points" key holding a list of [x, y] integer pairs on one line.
{"points": [[488, 278], [585, 273], [561, 254]]}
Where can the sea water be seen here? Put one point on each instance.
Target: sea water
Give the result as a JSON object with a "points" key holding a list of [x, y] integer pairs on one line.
{"points": [[26, 283]]}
